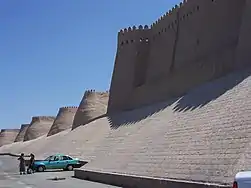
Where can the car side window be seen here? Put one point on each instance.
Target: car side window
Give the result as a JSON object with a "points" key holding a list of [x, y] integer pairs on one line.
{"points": [[56, 158], [69, 158], [65, 158]]}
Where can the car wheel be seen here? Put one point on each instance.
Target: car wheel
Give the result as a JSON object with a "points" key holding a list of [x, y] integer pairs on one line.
{"points": [[40, 168], [70, 167]]}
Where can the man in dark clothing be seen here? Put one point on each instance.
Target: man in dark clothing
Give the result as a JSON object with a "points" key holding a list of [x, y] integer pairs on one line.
{"points": [[21, 164], [31, 163]]}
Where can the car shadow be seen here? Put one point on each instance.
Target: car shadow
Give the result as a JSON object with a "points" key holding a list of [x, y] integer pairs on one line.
{"points": [[57, 170]]}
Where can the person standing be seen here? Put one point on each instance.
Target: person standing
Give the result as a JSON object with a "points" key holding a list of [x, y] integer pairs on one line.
{"points": [[21, 164], [31, 164]]}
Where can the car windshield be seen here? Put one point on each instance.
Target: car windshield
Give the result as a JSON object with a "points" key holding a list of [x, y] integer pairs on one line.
{"points": [[48, 158]]}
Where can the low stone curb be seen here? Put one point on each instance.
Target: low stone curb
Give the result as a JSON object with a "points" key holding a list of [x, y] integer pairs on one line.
{"points": [[129, 181]]}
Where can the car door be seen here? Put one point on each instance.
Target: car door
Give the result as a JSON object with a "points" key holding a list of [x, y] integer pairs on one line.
{"points": [[57, 162], [53, 163], [49, 162], [64, 161]]}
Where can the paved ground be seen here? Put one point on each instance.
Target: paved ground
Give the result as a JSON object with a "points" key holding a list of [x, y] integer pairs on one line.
{"points": [[10, 178]]}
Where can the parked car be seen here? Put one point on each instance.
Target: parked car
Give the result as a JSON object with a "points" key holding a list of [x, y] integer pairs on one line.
{"points": [[57, 161], [242, 180]]}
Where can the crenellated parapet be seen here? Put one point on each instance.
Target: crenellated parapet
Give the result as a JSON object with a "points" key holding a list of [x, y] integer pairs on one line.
{"points": [[94, 92], [93, 105], [133, 35], [68, 109], [43, 118], [145, 33], [170, 13], [133, 29]]}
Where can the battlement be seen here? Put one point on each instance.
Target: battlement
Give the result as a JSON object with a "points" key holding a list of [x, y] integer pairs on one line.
{"points": [[133, 29], [43, 118], [68, 107], [173, 10], [145, 33], [132, 35], [94, 92]]}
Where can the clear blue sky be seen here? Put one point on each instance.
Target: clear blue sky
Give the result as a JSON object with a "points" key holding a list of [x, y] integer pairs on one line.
{"points": [[51, 51]]}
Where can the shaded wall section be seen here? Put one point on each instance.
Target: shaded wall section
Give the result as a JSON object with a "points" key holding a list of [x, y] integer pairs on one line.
{"points": [[243, 52], [63, 120], [8, 136], [93, 105], [39, 126], [20, 136]]}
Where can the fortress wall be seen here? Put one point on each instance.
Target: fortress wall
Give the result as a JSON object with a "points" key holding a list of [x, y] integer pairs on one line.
{"points": [[39, 126], [20, 136], [243, 50], [7, 136], [162, 47], [206, 29], [192, 44], [93, 105], [131, 59], [63, 120]]}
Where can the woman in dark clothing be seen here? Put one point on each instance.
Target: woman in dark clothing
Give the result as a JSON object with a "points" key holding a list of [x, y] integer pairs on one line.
{"points": [[31, 164], [21, 164]]}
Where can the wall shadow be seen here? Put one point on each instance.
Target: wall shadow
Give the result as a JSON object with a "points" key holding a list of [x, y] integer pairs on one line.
{"points": [[129, 117], [194, 99], [202, 95]]}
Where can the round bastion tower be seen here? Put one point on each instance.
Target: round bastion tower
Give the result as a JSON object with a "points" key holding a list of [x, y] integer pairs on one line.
{"points": [[93, 105], [8, 136], [20, 136], [39, 126], [63, 120]]}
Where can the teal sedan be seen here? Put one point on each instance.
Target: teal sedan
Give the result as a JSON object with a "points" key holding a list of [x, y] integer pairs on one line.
{"points": [[57, 161]]}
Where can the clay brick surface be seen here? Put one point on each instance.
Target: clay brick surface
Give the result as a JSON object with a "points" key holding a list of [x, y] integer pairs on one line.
{"points": [[92, 106], [20, 136], [202, 136], [39, 126], [8, 136], [63, 120]]}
